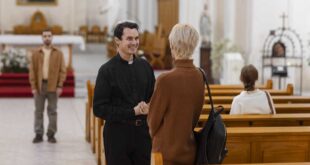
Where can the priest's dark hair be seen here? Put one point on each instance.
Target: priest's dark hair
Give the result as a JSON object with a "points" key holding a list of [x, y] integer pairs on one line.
{"points": [[119, 28]]}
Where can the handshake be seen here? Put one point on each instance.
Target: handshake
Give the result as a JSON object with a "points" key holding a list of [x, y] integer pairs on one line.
{"points": [[141, 109]]}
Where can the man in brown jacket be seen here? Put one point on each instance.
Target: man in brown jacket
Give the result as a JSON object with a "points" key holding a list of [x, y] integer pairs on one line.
{"points": [[47, 73]]}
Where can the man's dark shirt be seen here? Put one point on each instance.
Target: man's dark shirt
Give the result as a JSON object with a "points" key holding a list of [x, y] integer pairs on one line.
{"points": [[120, 86]]}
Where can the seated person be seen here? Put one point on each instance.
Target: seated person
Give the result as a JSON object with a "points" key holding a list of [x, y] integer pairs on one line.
{"points": [[251, 100]]}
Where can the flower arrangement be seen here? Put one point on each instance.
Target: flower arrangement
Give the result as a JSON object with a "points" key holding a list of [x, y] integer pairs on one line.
{"points": [[14, 61], [219, 49]]}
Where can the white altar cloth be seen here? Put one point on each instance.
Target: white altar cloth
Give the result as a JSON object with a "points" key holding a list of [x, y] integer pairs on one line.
{"points": [[37, 40], [64, 42]]}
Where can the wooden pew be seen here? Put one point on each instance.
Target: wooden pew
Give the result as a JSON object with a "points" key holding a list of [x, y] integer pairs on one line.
{"points": [[89, 105], [268, 85], [280, 108], [267, 144], [100, 157], [92, 124], [299, 119], [276, 99], [156, 158], [234, 92], [96, 129]]}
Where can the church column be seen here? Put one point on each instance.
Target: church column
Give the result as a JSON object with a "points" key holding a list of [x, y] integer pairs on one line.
{"points": [[111, 9], [218, 20], [132, 11], [190, 12], [147, 14], [80, 14], [72, 16], [153, 15], [229, 19], [243, 26], [1, 17]]}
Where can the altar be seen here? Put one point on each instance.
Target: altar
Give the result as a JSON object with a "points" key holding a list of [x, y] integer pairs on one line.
{"points": [[63, 42]]}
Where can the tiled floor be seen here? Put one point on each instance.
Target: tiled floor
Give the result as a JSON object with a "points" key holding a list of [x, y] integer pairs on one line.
{"points": [[17, 117], [16, 125]]}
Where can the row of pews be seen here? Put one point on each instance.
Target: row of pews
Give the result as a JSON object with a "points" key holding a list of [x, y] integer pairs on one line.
{"points": [[94, 127], [251, 139], [280, 138]]}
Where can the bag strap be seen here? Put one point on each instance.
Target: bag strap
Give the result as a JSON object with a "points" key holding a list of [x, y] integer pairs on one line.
{"points": [[206, 82], [269, 102]]}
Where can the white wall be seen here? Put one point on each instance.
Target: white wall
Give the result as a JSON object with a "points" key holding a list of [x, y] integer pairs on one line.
{"points": [[62, 14], [71, 14], [93, 14], [299, 11], [266, 17], [253, 22]]}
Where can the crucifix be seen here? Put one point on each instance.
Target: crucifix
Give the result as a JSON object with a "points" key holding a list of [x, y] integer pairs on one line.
{"points": [[283, 17]]}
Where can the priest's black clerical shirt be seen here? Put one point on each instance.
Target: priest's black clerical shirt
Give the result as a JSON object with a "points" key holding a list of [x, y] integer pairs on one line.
{"points": [[120, 86]]}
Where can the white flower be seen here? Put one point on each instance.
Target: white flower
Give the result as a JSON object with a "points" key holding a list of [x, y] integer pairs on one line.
{"points": [[14, 59]]}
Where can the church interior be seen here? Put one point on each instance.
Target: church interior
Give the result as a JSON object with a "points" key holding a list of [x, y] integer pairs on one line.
{"points": [[272, 35]]}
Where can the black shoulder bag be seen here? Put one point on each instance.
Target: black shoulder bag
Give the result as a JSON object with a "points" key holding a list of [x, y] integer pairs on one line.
{"points": [[211, 139]]}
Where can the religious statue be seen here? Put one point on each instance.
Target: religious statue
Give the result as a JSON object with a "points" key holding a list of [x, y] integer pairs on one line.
{"points": [[205, 26], [278, 49]]}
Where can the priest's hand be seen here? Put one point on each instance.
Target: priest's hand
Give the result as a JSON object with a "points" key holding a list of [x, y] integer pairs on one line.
{"points": [[141, 109], [144, 108]]}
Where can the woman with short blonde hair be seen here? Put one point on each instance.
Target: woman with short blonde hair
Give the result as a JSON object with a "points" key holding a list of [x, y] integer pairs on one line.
{"points": [[183, 40], [175, 106]]}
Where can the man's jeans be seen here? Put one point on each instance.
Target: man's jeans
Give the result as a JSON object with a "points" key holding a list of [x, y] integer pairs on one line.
{"points": [[39, 99]]}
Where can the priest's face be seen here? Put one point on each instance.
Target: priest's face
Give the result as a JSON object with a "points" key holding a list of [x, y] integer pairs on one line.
{"points": [[47, 37], [129, 43]]}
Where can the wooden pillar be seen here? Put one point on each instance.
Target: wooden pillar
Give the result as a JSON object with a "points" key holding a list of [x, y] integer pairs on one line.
{"points": [[205, 61], [70, 68], [168, 14]]}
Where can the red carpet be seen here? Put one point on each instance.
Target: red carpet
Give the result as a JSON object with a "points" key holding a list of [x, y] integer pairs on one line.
{"points": [[17, 85]]}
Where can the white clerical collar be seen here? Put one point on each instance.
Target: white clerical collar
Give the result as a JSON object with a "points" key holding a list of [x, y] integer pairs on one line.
{"points": [[131, 60]]}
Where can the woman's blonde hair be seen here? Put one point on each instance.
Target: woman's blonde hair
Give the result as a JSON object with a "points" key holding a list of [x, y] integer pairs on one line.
{"points": [[183, 40]]}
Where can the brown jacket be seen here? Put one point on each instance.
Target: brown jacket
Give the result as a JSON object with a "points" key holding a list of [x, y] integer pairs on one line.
{"points": [[174, 111], [56, 71]]}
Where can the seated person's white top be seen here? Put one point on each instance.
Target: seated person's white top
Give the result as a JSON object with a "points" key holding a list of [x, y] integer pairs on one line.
{"points": [[252, 102]]}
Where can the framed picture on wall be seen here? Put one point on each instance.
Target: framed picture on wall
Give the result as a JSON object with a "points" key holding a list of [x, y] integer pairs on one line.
{"points": [[36, 2]]}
